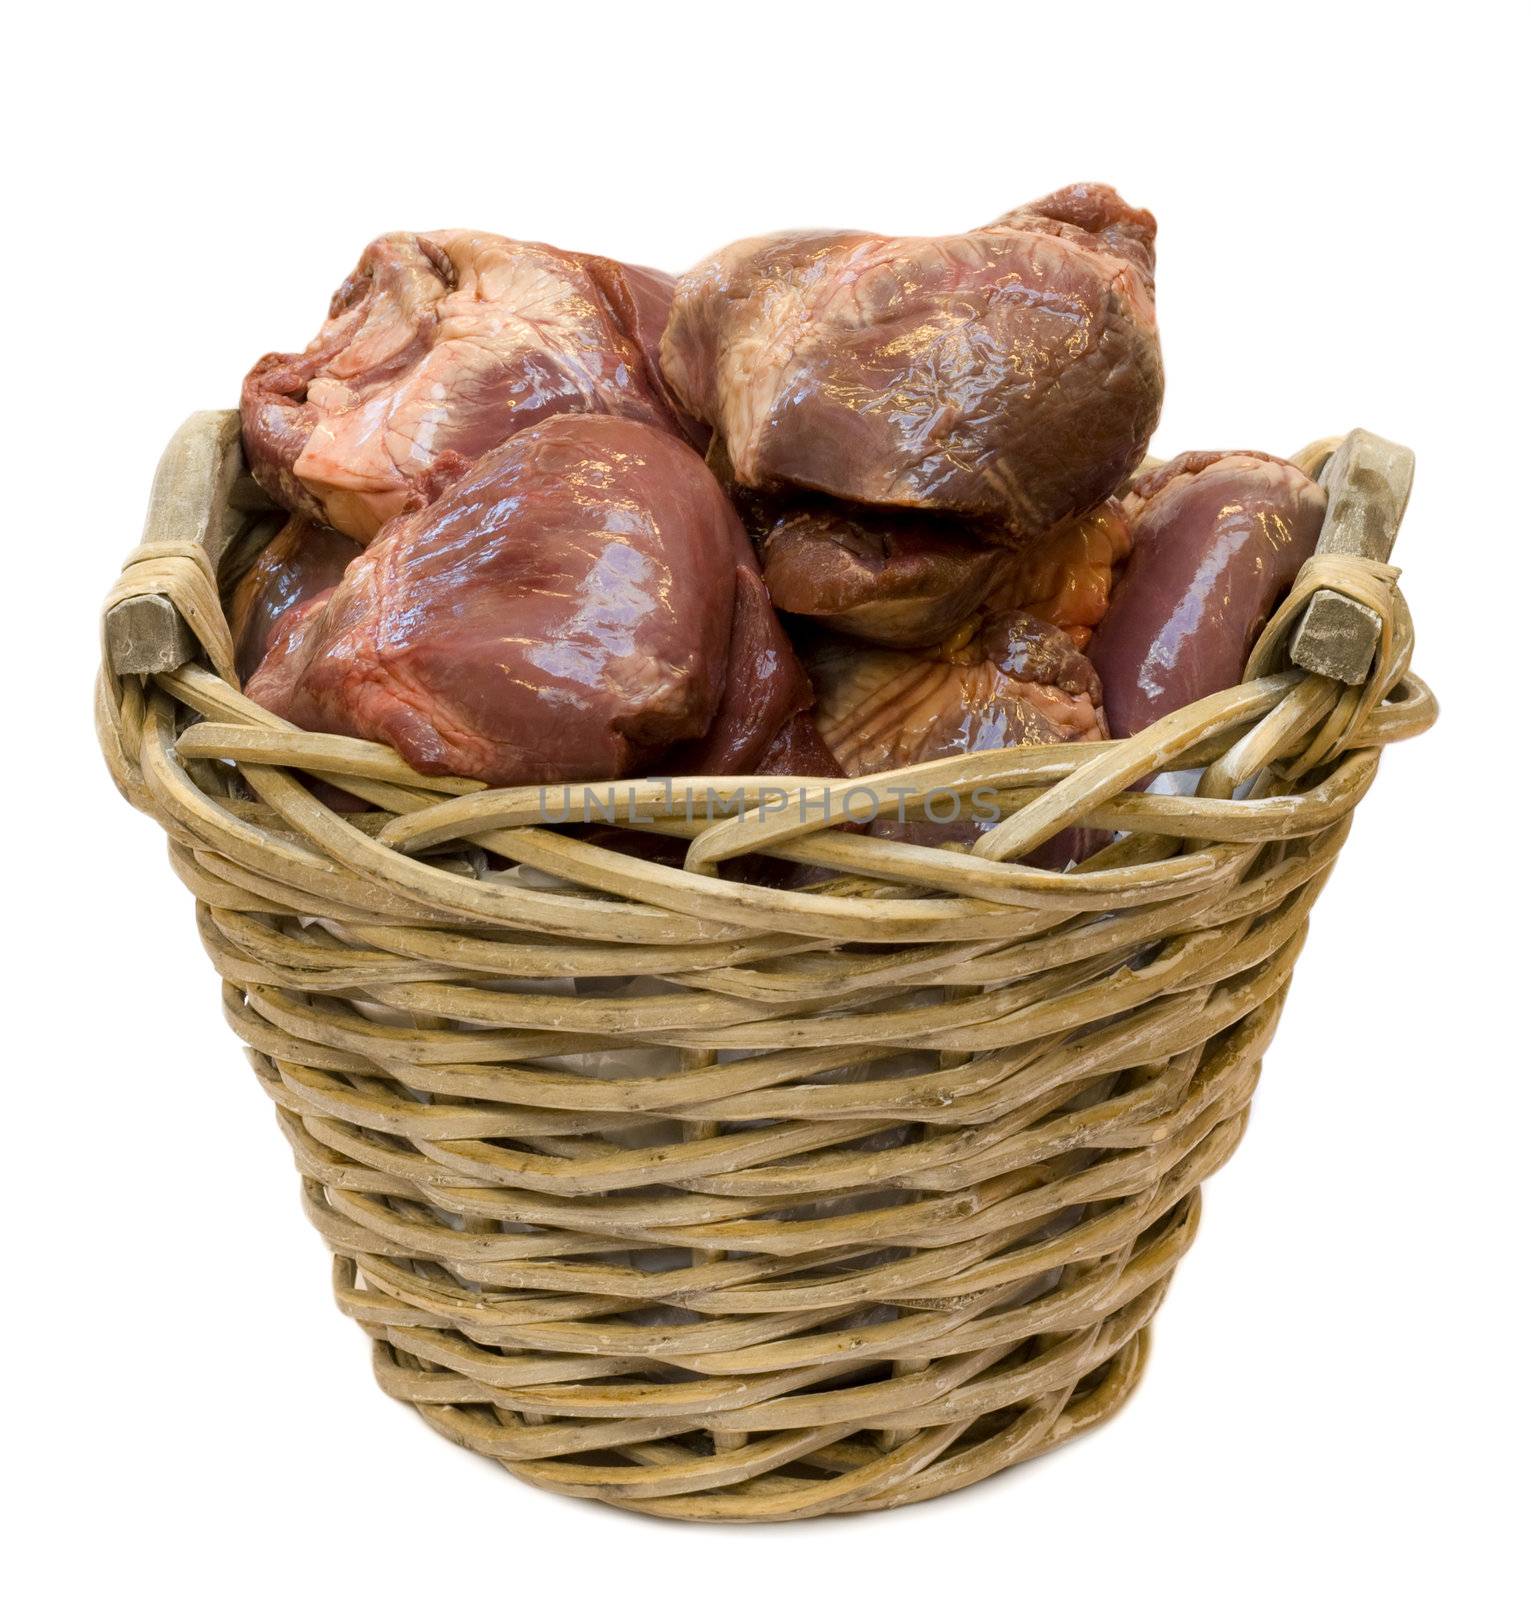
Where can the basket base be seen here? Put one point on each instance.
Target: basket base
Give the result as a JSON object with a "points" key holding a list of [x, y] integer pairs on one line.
{"points": [[864, 1472], [941, 1393]]}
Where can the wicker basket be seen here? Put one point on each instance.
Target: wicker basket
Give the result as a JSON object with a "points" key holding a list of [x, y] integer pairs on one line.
{"points": [[730, 1202]]}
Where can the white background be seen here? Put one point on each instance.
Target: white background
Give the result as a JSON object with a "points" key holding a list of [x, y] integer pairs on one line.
{"points": [[1336, 1398]]}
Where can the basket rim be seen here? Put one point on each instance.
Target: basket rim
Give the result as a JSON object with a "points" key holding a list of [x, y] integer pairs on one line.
{"points": [[1278, 726]]}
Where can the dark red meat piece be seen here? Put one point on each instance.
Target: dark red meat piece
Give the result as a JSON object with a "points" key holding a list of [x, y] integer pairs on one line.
{"points": [[1010, 374], [302, 561], [439, 347], [562, 613], [1217, 538], [1016, 681], [888, 577]]}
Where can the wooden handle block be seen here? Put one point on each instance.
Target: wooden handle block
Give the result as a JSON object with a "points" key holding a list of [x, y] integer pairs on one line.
{"points": [[1368, 479], [192, 502]]}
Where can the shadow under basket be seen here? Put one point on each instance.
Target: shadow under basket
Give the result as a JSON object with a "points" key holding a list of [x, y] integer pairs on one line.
{"points": [[726, 1201]]}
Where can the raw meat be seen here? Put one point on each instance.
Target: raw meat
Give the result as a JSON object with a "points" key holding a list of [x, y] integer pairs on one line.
{"points": [[1067, 577], [894, 578], [1217, 538], [303, 560], [562, 613], [1010, 374], [765, 686], [439, 347], [799, 751], [1017, 681], [907, 580]]}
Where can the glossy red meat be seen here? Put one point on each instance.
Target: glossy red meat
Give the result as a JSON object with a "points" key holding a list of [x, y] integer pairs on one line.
{"points": [[799, 751], [1010, 374], [1018, 681], [439, 347], [1067, 577], [1217, 538], [764, 688], [892, 578], [302, 561], [907, 580], [562, 613]]}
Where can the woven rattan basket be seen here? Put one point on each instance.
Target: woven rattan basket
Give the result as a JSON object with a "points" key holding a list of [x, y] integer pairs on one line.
{"points": [[731, 1202]]}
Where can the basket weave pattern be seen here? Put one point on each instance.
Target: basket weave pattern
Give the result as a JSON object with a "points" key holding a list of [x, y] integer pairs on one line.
{"points": [[721, 1201]]}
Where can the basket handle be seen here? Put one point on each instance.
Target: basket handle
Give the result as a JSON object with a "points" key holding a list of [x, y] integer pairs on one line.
{"points": [[197, 505], [1368, 479]]}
